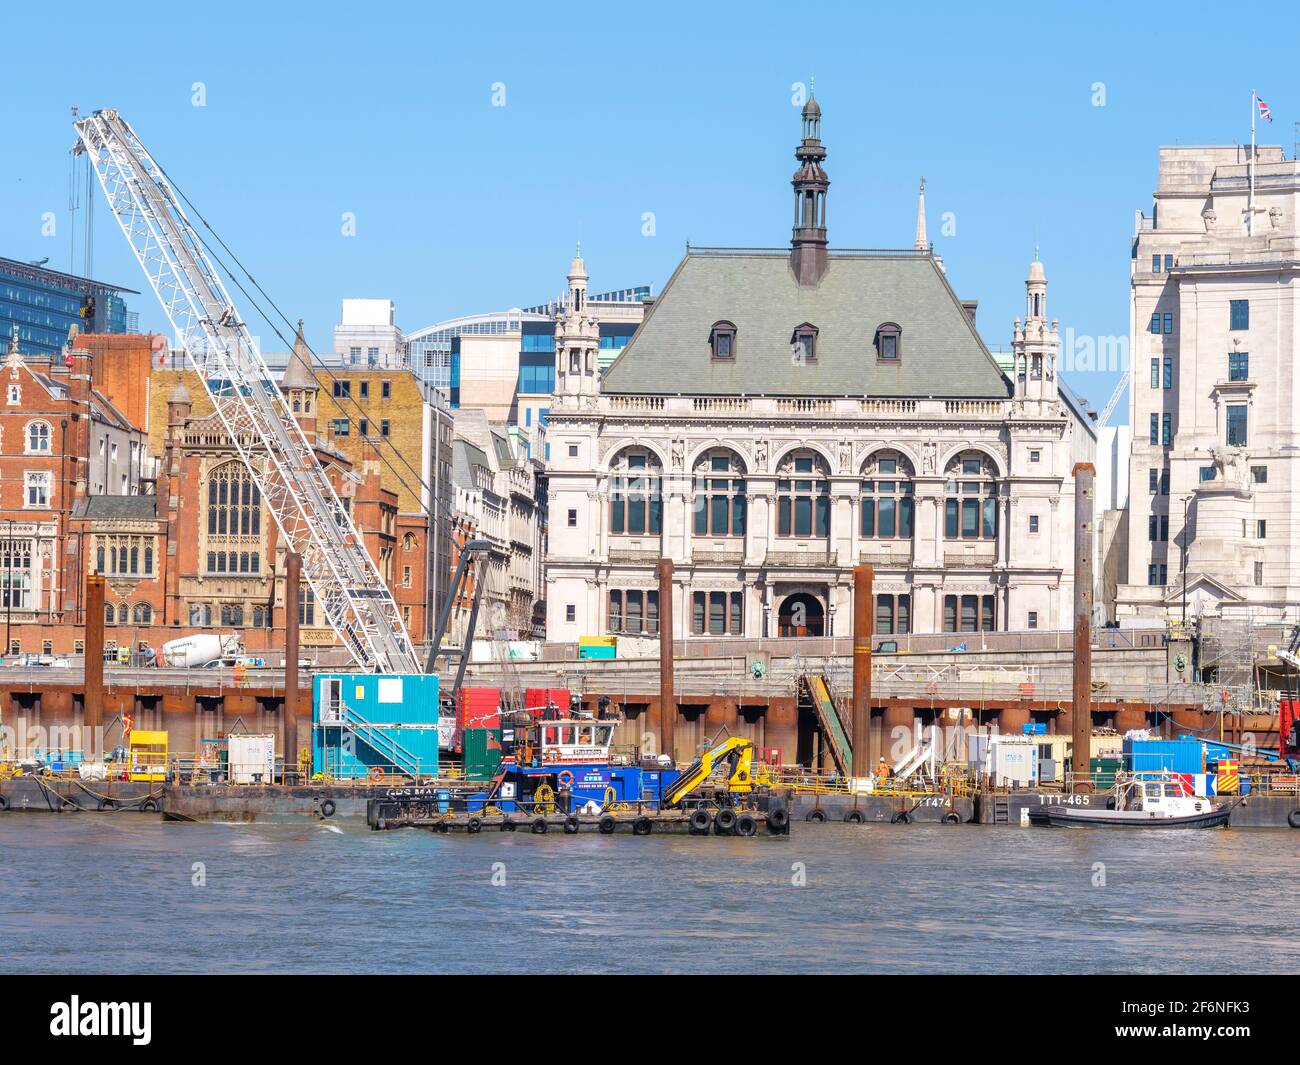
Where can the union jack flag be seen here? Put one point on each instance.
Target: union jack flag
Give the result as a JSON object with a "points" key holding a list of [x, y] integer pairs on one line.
{"points": [[1264, 112]]}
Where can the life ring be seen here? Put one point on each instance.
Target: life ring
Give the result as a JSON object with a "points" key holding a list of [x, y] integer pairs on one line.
{"points": [[951, 818], [778, 819], [561, 778], [853, 817], [540, 826], [550, 755], [746, 825], [474, 826], [607, 824], [642, 826], [108, 804], [699, 822], [571, 825], [327, 808], [901, 818], [816, 815], [724, 821], [376, 772], [1293, 819], [149, 806]]}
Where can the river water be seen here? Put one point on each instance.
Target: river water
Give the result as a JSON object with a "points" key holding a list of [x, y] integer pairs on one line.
{"points": [[127, 893]]}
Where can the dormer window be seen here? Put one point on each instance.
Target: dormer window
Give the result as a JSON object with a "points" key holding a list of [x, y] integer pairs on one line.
{"points": [[889, 342], [722, 340], [803, 342]]}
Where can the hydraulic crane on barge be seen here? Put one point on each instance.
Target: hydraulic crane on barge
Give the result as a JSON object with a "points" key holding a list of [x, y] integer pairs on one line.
{"points": [[254, 412]]}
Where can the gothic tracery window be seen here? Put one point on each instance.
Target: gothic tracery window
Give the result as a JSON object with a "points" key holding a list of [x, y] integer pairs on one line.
{"points": [[234, 502]]}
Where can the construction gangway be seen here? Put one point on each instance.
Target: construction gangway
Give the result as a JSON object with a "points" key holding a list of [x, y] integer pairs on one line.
{"points": [[828, 718]]}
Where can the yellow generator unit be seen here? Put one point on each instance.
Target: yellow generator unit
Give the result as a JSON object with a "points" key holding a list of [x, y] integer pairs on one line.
{"points": [[148, 756]]}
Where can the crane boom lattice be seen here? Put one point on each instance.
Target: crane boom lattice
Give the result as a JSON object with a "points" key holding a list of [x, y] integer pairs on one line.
{"points": [[282, 462]]}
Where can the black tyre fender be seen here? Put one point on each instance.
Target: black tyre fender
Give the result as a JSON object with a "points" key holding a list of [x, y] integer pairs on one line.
{"points": [[508, 825], [951, 818], [108, 804], [854, 817], [724, 821], [571, 825], [778, 819], [4, 803], [607, 824], [700, 822], [1293, 819], [327, 808], [816, 815], [642, 826], [540, 826], [746, 825], [149, 806], [474, 826], [901, 818]]}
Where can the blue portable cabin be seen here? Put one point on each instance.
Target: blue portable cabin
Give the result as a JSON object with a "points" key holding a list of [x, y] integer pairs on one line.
{"points": [[1154, 756], [367, 724], [592, 782]]}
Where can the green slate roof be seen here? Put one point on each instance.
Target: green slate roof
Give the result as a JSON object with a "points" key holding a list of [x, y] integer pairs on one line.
{"points": [[942, 355]]}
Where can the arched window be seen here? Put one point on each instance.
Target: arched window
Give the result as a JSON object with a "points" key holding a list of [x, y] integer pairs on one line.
{"points": [[889, 339], [408, 542], [234, 502], [143, 614], [38, 438], [719, 494], [803, 496], [887, 504], [970, 505], [110, 615], [803, 342], [201, 614], [636, 499], [261, 617], [123, 614], [722, 340], [232, 614]]}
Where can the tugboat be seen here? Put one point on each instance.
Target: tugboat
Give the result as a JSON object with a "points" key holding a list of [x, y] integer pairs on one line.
{"points": [[1144, 802]]}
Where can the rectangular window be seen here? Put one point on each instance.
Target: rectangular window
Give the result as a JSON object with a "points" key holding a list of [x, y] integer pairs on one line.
{"points": [[365, 389], [1153, 477], [386, 389], [1259, 474], [1236, 425], [1169, 373], [988, 614], [363, 428], [1155, 264], [698, 606], [1168, 321], [615, 611], [884, 615], [1155, 373], [1032, 620], [904, 614], [1238, 366], [632, 619], [1239, 314], [1169, 263], [1207, 473], [1155, 322], [950, 518], [1035, 456], [717, 613], [970, 613], [340, 427], [573, 518], [1261, 528], [1033, 523], [652, 613], [342, 389], [570, 612], [1155, 428], [38, 489], [384, 427], [1259, 573], [737, 614], [1164, 481], [1166, 429], [949, 613]]}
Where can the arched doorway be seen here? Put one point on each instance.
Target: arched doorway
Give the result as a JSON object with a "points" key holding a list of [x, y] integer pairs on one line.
{"points": [[801, 615]]}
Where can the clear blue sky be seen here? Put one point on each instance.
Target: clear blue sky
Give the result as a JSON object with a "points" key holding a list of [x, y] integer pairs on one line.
{"points": [[614, 110]]}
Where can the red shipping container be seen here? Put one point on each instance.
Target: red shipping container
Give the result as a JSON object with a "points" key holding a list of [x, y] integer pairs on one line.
{"points": [[478, 708], [535, 699], [1289, 711]]}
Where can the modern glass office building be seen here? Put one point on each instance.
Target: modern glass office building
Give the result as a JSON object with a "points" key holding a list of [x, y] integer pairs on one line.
{"points": [[43, 305]]}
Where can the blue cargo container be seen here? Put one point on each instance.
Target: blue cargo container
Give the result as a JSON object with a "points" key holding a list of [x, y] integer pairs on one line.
{"points": [[374, 722], [1153, 756]]}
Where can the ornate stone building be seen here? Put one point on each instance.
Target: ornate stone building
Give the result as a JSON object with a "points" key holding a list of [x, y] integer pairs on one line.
{"points": [[783, 415]]}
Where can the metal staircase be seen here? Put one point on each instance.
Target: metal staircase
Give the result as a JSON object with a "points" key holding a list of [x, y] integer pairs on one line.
{"points": [[377, 739], [828, 717]]}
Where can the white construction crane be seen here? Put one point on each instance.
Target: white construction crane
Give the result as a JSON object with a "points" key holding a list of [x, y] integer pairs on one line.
{"points": [[1113, 402], [253, 411]]}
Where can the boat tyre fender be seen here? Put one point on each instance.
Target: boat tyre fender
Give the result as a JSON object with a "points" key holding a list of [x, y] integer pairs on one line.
{"points": [[778, 819], [508, 825], [853, 817], [565, 778], [951, 818], [642, 826], [474, 826], [607, 824], [700, 821], [901, 818], [149, 806], [1292, 819], [817, 816], [108, 804], [539, 826], [4, 803], [327, 808], [746, 825], [725, 821], [571, 824]]}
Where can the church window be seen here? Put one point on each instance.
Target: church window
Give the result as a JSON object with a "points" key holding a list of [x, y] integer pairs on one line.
{"points": [[234, 502]]}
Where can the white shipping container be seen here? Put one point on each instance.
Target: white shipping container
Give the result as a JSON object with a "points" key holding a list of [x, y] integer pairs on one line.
{"points": [[251, 759], [1013, 762]]}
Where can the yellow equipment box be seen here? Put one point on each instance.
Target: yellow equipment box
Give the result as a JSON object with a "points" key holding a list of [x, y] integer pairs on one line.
{"points": [[148, 756]]}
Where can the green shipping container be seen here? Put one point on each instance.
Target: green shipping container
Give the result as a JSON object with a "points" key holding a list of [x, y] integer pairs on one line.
{"points": [[1103, 770], [482, 753]]}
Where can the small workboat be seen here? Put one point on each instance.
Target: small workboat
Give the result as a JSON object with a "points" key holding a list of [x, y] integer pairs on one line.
{"points": [[1144, 802]]}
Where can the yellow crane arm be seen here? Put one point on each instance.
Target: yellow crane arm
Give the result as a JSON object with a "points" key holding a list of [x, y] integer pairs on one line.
{"points": [[739, 753]]}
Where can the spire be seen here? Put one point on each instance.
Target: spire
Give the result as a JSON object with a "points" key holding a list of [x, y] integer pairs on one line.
{"points": [[922, 243], [808, 244], [297, 374]]}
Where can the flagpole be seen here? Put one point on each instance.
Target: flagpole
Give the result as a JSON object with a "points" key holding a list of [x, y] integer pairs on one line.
{"points": [[1250, 199]]}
